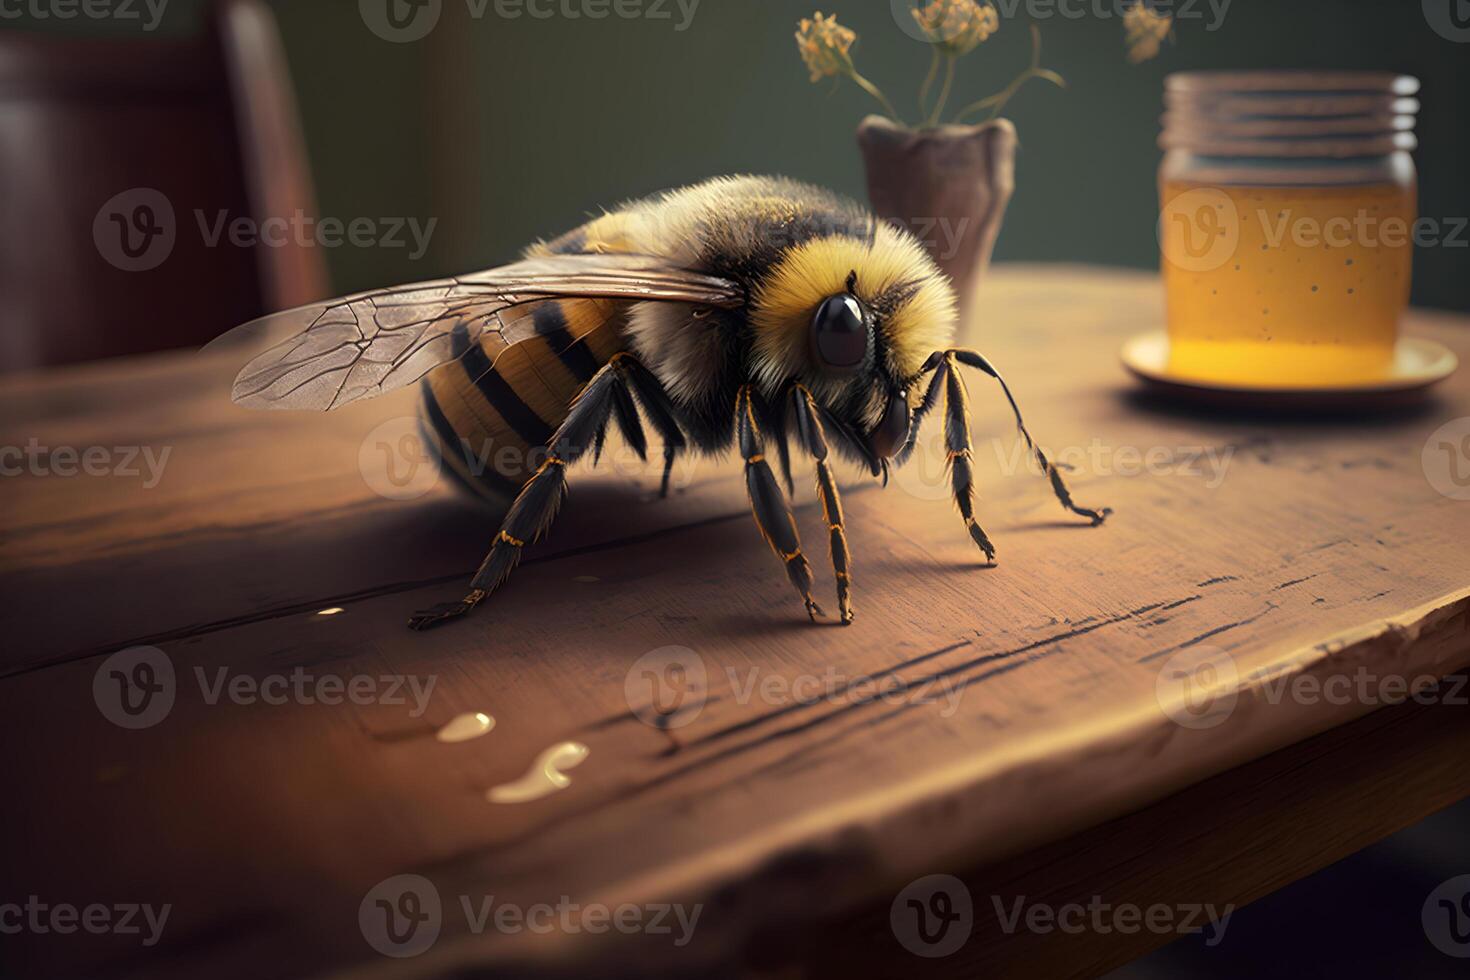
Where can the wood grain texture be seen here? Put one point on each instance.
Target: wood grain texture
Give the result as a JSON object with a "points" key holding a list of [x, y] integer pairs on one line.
{"points": [[1019, 704]]}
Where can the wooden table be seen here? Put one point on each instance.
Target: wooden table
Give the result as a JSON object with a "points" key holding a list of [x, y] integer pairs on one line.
{"points": [[1102, 714]]}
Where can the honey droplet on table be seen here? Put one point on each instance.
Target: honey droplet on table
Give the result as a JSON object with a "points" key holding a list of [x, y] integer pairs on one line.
{"points": [[546, 775], [463, 727]]}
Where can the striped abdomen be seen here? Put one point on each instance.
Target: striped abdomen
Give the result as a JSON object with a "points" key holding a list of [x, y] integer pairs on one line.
{"points": [[491, 412]]}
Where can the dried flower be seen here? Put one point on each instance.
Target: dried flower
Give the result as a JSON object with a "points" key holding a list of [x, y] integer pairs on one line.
{"points": [[823, 45], [956, 27], [1145, 30]]}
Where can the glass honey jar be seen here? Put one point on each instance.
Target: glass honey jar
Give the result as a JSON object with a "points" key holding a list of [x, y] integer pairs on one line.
{"points": [[1287, 209]]}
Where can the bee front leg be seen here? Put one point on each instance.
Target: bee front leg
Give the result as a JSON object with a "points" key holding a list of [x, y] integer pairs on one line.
{"points": [[976, 360], [958, 448], [772, 513], [809, 428], [536, 505]]}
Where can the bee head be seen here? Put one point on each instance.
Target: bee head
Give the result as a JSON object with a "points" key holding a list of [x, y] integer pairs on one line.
{"points": [[854, 319]]}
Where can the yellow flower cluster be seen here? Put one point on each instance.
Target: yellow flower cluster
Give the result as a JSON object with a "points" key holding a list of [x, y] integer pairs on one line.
{"points": [[956, 27], [1144, 31], [823, 45]]}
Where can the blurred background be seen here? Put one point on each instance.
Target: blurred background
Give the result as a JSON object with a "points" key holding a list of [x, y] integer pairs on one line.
{"points": [[491, 130]]}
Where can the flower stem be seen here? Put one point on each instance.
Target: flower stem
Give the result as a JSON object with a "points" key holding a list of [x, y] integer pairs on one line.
{"points": [[933, 119], [874, 91], [997, 102], [928, 84]]}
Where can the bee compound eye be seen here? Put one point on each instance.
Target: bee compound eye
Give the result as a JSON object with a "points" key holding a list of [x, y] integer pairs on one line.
{"points": [[839, 333]]}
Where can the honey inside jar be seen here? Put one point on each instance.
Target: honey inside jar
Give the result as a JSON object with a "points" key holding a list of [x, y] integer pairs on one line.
{"points": [[1288, 202], [1309, 294]]}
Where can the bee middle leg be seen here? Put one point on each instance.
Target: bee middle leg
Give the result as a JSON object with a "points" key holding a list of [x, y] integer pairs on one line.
{"points": [[772, 513], [811, 436], [659, 408], [605, 397]]}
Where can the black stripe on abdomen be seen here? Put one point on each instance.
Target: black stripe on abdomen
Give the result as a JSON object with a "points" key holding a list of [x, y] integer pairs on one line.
{"points": [[450, 441], [551, 324], [501, 396]]}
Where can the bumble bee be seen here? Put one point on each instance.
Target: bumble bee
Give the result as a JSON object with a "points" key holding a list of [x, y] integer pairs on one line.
{"points": [[741, 312]]}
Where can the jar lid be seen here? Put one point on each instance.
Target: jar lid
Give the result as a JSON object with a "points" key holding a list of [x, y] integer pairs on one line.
{"points": [[1298, 114], [1291, 81]]}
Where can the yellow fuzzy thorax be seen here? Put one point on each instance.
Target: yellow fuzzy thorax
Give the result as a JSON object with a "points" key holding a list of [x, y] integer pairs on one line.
{"points": [[807, 274]]}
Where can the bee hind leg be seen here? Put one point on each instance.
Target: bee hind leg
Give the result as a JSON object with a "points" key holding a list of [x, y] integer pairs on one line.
{"points": [[772, 513], [811, 436], [535, 507]]}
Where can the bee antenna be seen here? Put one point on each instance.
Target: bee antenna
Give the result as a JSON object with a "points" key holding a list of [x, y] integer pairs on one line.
{"points": [[852, 282]]}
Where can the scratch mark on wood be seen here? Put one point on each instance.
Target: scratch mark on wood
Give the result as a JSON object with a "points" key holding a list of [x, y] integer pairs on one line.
{"points": [[1192, 641]]}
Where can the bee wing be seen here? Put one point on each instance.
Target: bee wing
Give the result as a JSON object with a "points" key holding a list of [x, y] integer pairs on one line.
{"points": [[366, 344]]}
